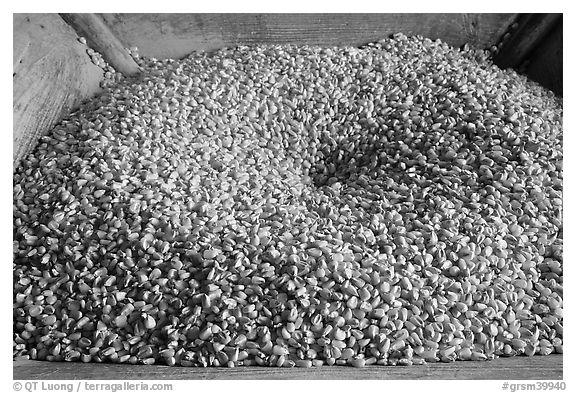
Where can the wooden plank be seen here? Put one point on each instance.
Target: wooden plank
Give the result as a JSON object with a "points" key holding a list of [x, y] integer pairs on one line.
{"points": [[516, 368], [176, 35], [101, 39], [52, 74]]}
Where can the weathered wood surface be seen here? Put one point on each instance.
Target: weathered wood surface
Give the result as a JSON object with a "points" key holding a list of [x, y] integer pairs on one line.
{"points": [[52, 74], [176, 35], [516, 368], [101, 39]]}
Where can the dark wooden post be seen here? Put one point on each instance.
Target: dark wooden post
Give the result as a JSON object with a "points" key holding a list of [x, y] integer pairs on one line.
{"points": [[531, 30]]}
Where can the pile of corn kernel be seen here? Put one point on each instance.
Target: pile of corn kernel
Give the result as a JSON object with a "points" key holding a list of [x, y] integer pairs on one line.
{"points": [[395, 204]]}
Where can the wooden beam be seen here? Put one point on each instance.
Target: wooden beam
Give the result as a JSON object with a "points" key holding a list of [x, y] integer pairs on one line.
{"points": [[532, 29], [100, 38]]}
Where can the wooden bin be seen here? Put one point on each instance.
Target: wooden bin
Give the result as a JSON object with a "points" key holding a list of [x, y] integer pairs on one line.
{"points": [[53, 73]]}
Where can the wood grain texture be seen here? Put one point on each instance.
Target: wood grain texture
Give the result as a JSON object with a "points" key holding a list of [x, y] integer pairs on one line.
{"points": [[52, 74], [102, 40], [176, 35], [516, 368]]}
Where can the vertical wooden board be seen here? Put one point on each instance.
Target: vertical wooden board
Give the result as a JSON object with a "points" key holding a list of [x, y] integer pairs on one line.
{"points": [[545, 63], [52, 74], [176, 35], [518, 43]]}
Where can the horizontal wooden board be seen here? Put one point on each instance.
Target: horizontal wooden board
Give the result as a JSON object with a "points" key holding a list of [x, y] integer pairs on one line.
{"points": [[516, 368], [52, 74], [176, 35]]}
